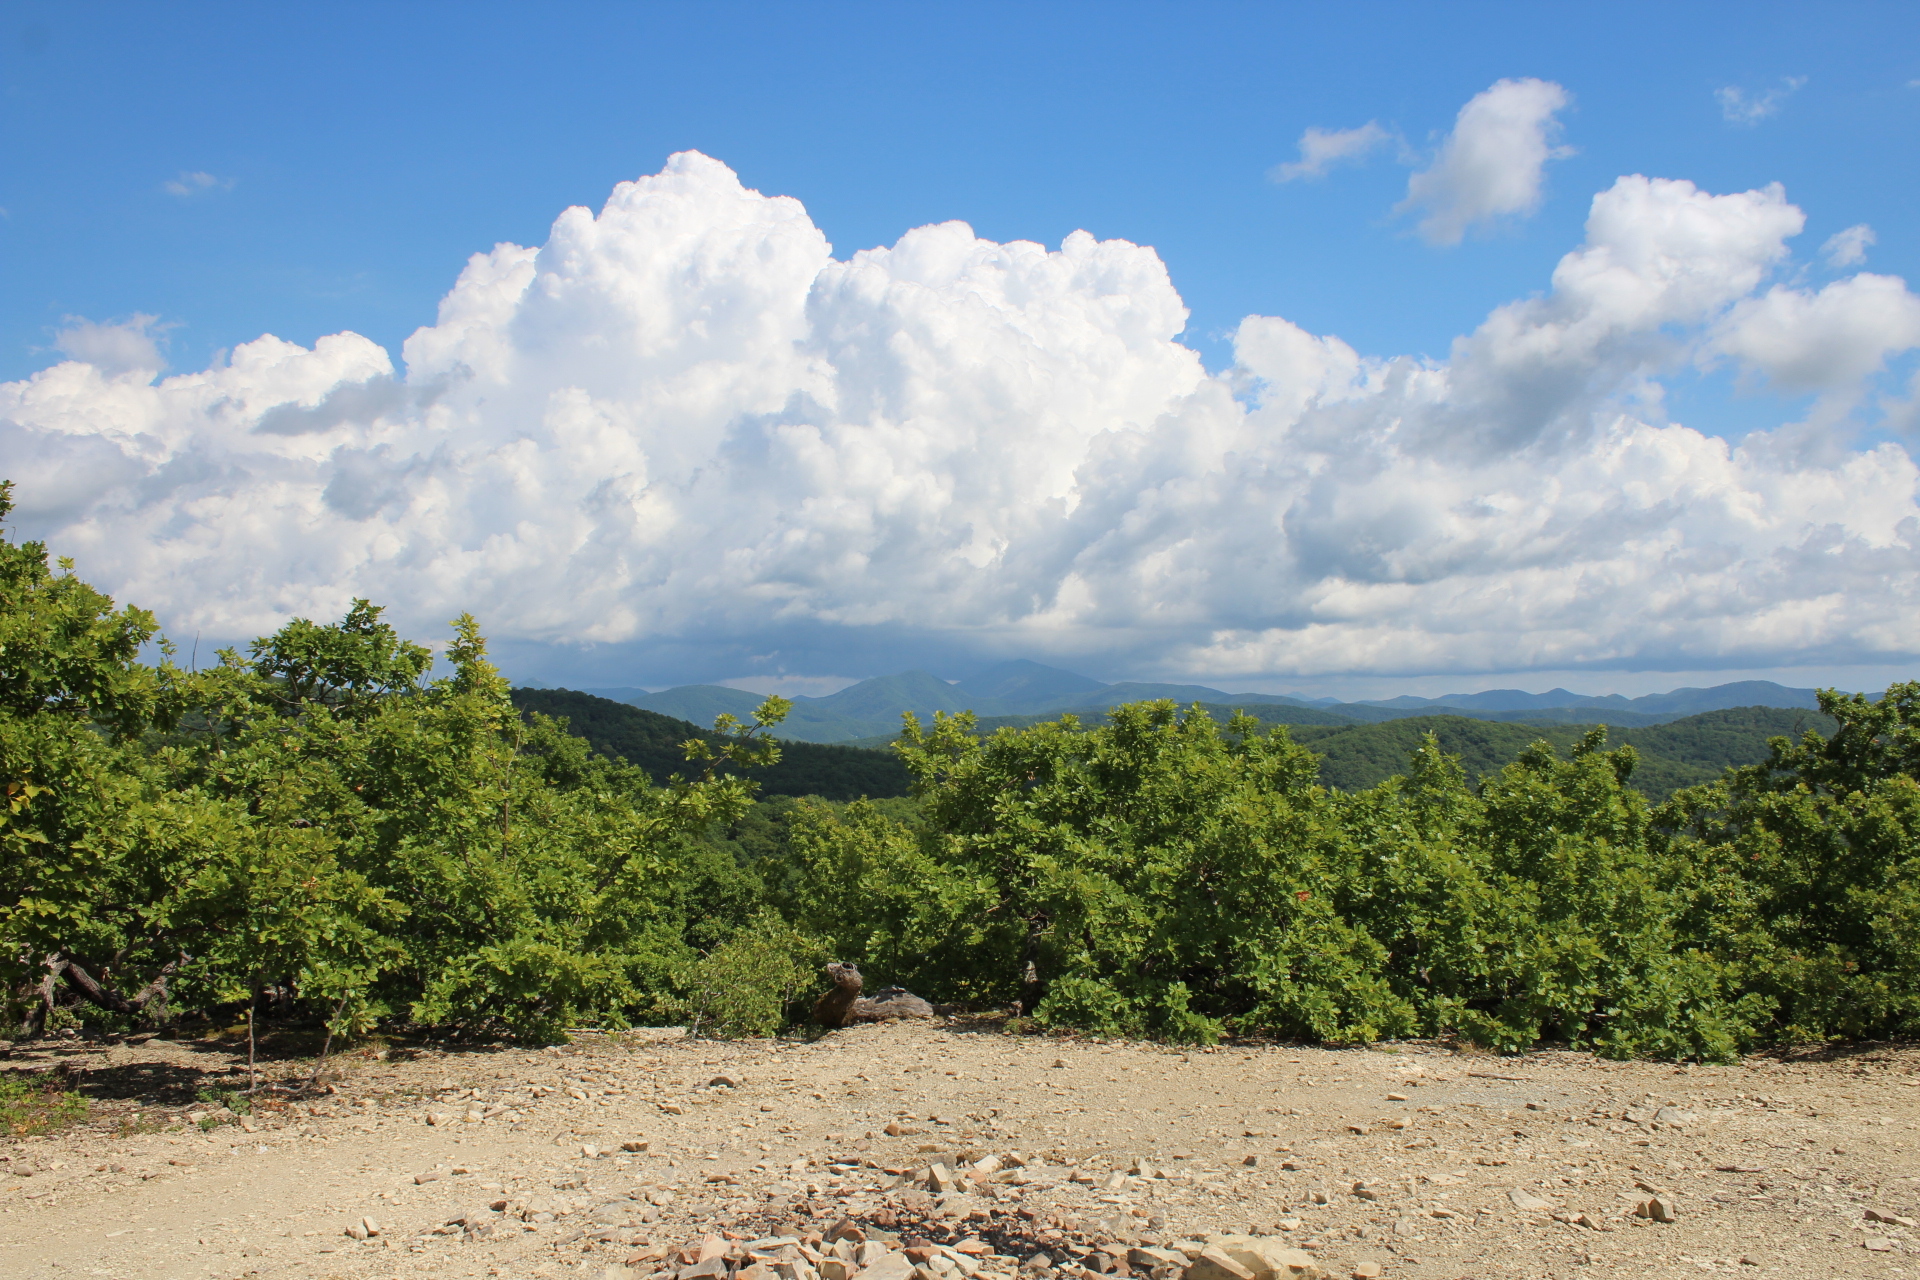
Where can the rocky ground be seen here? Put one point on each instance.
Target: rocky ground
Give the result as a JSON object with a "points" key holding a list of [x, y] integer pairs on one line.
{"points": [[960, 1150]]}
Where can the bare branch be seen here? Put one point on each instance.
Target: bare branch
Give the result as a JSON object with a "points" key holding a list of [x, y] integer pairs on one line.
{"points": [[107, 998]]}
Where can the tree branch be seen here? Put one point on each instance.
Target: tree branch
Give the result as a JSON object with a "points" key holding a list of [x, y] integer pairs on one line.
{"points": [[107, 998]]}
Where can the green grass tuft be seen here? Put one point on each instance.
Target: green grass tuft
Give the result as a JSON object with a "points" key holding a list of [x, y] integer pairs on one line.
{"points": [[31, 1104]]}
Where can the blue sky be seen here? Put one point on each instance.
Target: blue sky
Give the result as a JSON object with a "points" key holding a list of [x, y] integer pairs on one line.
{"points": [[239, 170], [371, 148]]}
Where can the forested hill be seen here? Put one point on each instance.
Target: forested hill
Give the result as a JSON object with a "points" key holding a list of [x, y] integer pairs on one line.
{"points": [[653, 742], [1679, 754], [1682, 753]]}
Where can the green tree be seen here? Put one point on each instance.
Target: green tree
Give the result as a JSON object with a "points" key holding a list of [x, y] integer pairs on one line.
{"points": [[1532, 908], [320, 822], [88, 897], [1155, 874], [1804, 872], [543, 887]]}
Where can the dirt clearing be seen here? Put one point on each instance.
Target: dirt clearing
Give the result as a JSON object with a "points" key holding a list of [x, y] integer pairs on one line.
{"points": [[970, 1152]]}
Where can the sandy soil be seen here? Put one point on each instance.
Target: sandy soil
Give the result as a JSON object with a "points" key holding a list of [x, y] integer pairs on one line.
{"points": [[1772, 1165]]}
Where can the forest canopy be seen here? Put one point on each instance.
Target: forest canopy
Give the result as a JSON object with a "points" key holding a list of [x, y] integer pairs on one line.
{"points": [[330, 825], [657, 744]]}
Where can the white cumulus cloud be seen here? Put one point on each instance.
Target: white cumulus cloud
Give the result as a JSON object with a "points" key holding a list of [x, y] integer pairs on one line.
{"points": [[1737, 106], [682, 432], [1829, 340], [1490, 166], [114, 346], [1321, 149], [1848, 248]]}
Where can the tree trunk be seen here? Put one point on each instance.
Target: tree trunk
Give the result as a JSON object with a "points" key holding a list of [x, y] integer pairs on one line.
{"points": [[327, 1044], [253, 1006], [40, 1001]]}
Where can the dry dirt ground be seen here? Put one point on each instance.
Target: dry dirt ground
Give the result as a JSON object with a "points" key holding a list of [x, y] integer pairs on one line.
{"points": [[1430, 1163]]}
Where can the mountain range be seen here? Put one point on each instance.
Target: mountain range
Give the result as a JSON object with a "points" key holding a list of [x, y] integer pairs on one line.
{"points": [[1015, 692], [1680, 753]]}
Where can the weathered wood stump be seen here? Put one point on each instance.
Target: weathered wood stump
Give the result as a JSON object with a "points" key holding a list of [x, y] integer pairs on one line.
{"points": [[835, 1009], [844, 1005]]}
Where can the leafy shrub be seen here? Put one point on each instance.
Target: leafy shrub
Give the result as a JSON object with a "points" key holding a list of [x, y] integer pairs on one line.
{"points": [[1804, 873], [320, 821], [746, 985], [1160, 876], [1154, 875], [1530, 907], [880, 892]]}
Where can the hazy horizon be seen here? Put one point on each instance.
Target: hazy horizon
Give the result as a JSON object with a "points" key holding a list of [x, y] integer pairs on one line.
{"points": [[1639, 684]]}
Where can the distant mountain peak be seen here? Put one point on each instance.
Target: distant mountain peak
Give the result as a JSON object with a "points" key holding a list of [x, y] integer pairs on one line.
{"points": [[1022, 684]]}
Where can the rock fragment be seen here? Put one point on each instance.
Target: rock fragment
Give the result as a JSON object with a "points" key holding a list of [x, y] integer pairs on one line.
{"points": [[1216, 1264], [1267, 1258], [1657, 1208], [889, 1266], [1527, 1202]]}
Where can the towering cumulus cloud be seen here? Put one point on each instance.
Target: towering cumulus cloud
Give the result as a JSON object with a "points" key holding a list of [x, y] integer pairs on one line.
{"points": [[684, 422]]}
